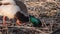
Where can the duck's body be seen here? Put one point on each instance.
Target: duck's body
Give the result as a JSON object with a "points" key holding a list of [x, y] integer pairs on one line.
{"points": [[10, 9]]}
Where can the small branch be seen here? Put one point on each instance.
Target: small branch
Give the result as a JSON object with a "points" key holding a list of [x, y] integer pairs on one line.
{"points": [[32, 28]]}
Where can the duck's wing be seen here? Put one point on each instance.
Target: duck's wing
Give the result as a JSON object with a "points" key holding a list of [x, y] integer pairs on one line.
{"points": [[22, 6]]}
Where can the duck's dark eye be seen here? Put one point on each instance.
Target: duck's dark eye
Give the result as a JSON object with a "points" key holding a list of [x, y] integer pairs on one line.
{"points": [[6, 4]]}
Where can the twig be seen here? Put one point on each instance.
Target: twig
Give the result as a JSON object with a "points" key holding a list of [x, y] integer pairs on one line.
{"points": [[32, 28]]}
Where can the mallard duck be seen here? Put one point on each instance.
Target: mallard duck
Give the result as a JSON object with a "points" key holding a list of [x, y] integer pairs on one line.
{"points": [[13, 9]]}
